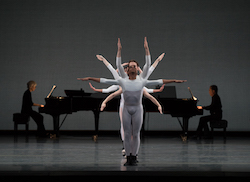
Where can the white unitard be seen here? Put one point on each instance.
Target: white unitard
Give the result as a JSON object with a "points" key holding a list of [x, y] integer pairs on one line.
{"points": [[116, 87], [133, 110]]}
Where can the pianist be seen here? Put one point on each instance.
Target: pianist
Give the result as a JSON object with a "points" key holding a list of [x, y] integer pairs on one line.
{"points": [[215, 113], [27, 109]]}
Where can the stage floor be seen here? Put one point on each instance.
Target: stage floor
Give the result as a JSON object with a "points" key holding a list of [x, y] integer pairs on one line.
{"points": [[158, 156]]}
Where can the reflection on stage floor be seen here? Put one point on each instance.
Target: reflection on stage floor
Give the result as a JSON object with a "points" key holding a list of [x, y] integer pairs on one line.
{"points": [[166, 156]]}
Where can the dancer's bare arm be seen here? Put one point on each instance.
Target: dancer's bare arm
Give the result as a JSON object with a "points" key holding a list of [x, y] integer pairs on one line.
{"points": [[146, 46], [173, 81], [146, 94], [158, 60], [160, 89], [110, 97], [100, 80], [89, 78], [109, 66], [95, 89], [101, 58], [153, 66], [162, 81], [105, 90], [119, 59], [119, 48], [147, 60]]}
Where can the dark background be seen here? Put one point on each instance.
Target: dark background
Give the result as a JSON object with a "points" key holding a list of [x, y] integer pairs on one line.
{"points": [[54, 42]]}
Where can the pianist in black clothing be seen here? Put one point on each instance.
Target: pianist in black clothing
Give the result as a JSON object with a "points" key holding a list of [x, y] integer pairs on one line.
{"points": [[215, 113], [27, 109]]}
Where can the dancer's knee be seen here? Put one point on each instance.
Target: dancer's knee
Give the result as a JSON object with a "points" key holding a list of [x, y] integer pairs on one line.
{"points": [[136, 136], [127, 134]]}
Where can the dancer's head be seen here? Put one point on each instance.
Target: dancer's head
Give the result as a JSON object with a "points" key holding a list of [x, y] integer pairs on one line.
{"points": [[126, 68], [132, 67]]}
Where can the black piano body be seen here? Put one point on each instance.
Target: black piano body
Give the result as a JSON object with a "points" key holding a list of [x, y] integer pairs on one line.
{"points": [[184, 108], [78, 100]]}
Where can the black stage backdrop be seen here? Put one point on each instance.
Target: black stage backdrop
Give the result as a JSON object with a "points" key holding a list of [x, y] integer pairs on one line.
{"points": [[55, 41]]}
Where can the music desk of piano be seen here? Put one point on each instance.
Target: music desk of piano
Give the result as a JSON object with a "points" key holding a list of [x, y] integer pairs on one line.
{"points": [[78, 100]]}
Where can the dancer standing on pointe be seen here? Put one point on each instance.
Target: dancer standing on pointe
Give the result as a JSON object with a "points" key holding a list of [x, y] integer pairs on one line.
{"points": [[132, 88]]}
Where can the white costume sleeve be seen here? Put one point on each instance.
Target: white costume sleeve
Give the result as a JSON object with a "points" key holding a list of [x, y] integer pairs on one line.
{"points": [[109, 81], [120, 68], [151, 69], [149, 90], [146, 66], [110, 89], [113, 71], [154, 82]]}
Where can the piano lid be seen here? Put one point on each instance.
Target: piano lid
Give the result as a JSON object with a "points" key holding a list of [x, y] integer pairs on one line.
{"points": [[51, 91], [72, 93], [193, 97], [168, 92]]}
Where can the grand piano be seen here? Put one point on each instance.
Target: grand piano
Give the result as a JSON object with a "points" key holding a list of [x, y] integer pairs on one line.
{"points": [[78, 100]]}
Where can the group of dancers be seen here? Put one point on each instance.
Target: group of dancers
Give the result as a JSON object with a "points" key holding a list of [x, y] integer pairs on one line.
{"points": [[131, 87]]}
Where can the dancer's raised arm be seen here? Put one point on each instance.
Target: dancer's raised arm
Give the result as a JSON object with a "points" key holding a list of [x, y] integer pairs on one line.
{"points": [[153, 66], [110, 97], [109, 66], [147, 53], [119, 59], [101, 58], [146, 94], [147, 58], [158, 60], [119, 48]]}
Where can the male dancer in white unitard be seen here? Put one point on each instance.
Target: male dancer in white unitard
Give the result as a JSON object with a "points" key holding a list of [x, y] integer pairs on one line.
{"points": [[117, 87], [132, 88]]}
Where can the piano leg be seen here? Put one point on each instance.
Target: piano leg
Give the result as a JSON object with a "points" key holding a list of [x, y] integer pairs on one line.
{"points": [[184, 136], [56, 119], [97, 116]]}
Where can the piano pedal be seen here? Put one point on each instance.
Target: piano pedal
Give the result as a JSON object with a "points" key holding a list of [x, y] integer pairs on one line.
{"points": [[183, 137], [95, 137], [52, 136]]}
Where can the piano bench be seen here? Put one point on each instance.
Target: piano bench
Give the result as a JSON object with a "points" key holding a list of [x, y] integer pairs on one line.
{"points": [[19, 118], [218, 124]]}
